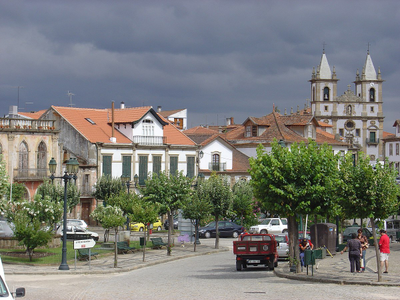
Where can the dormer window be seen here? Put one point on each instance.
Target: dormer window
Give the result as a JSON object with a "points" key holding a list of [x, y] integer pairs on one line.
{"points": [[326, 94], [148, 127]]}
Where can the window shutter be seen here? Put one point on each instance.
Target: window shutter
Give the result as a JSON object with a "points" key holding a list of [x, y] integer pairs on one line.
{"points": [[190, 167], [126, 166], [107, 165], [143, 160], [156, 164], [173, 165]]}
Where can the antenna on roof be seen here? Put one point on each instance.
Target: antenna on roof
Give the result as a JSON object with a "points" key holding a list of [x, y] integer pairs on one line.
{"points": [[70, 98]]}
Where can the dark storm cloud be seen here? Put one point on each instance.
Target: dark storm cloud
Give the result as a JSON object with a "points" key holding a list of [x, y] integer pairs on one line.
{"points": [[218, 59]]}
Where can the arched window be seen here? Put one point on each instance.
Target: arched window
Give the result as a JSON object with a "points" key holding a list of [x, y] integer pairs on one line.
{"points": [[41, 161], [372, 95], [215, 162], [326, 94], [23, 162]]}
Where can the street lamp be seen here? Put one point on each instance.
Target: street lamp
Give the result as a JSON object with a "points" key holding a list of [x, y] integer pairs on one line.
{"points": [[136, 180], [70, 173]]}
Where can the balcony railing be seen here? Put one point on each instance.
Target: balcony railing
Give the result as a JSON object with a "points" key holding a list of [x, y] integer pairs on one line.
{"points": [[372, 141], [30, 174], [149, 140], [219, 167], [26, 125]]}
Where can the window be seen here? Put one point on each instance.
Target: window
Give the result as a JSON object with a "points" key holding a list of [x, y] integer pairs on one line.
{"points": [[107, 160], [215, 162], [326, 108], [148, 127], [41, 159], [254, 130], [90, 121], [326, 94], [372, 137], [157, 164], [190, 166], [390, 149], [126, 167], [23, 159], [178, 123], [248, 131], [372, 109], [341, 132], [372, 95], [173, 165], [357, 132], [397, 149], [143, 161], [349, 125]]}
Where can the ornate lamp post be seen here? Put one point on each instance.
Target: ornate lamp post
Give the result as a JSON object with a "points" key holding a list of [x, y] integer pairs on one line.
{"points": [[70, 173]]}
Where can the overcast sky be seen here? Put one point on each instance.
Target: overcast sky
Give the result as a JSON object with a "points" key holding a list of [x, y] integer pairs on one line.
{"points": [[218, 59]]}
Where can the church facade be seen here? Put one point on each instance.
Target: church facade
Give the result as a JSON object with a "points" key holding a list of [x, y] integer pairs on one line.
{"points": [[356, 117]]}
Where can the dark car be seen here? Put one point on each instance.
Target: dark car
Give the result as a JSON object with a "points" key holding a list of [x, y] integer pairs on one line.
{"points": [[166, 223], [353, 229], [225, 229]]}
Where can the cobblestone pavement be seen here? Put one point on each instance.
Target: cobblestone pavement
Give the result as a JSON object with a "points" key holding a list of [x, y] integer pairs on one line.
{"points": [[334, 269]]}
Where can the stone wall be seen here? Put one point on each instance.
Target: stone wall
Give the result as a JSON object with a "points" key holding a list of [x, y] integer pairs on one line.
{"points": [[12, 243]]}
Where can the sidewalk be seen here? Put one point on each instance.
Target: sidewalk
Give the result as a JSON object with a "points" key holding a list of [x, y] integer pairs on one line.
{"points": [[125, 262], [337, 269]]}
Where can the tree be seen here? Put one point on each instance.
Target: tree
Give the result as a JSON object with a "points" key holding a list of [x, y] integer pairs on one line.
{"points": [[299, 180], [110, 217], [144, 212], [106, 187], [369, 192], [17, 191], [218, 192], [170, 191], [243, 203], [33, 221], [4, 184], [196, 208], [56, 193]]}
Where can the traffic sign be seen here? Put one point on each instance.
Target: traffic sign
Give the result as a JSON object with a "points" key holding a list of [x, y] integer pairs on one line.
{"points": [[81, 244]]}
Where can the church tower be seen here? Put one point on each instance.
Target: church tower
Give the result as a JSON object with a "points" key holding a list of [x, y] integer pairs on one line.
{"points": [[356, 117]]}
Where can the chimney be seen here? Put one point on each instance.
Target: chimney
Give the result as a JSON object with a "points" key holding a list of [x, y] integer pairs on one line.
{"points": [[159, 108], [122, 105]]}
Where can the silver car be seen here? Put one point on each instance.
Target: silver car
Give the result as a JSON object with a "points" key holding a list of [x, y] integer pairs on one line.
{"points": [[283, 248]]}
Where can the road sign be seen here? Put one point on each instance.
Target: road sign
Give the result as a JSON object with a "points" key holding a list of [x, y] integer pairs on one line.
{"points": [[81, 244]]}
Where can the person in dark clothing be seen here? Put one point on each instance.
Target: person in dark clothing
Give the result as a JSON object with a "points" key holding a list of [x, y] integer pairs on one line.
{"points": [[355, 252]]}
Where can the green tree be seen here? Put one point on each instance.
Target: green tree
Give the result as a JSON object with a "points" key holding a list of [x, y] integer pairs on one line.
{"points": [[33, 221], [299, 180], [106, 187], [170, 191], [56, 193], [369, 192], [197, 207], [218, 192], [110, 217], [144, 212], [243, 202], [17, 191], [4, 184]]}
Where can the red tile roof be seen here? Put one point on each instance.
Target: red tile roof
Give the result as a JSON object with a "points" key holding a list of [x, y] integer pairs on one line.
{"points": [[34, 114]]}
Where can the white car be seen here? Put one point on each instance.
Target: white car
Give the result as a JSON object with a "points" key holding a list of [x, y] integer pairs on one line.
{"points": [[5, 291], [270, 225], [76, 222], [76, 232]]}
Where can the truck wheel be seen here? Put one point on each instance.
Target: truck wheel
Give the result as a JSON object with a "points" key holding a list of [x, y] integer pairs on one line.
{"points": [[263, 231], [271, 266], [235, 234], [239, 265]]}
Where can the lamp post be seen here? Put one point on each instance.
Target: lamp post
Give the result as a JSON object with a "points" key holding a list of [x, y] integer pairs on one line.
{"points": [[70, 173]]}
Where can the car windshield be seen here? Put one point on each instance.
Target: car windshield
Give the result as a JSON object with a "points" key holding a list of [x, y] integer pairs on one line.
{"points": [[350, 230], [280, 238], [3, 290], [212, 224]]}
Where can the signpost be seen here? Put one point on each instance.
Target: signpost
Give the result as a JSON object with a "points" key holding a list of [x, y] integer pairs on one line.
{"points": [[84, 244]]}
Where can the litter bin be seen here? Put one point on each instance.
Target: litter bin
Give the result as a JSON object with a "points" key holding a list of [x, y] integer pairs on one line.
{"points": [[142, 241], [309, 257]]}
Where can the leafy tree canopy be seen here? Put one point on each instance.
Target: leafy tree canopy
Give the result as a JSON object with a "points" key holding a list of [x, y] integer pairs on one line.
{"points": [[56, 192], [107, 186]]}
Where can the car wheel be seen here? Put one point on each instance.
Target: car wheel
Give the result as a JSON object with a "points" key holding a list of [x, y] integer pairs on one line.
{"points": [[284, 231], [207, 235], [263, 231], [141, 229], [239, 265], [159, 228], [235, 234]]}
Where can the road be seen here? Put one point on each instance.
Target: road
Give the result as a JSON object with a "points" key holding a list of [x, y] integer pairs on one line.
{"points": [[203, 277]]}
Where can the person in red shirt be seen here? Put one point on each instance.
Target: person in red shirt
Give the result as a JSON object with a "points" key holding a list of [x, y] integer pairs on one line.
{"points": [[384, 249], [304, 245]]}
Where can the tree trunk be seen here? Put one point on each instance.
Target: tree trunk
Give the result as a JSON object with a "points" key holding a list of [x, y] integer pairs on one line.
{"points": [[170, 229], [216, 233], [144, 243], [294, 243], [377, 252], [116, 248]]}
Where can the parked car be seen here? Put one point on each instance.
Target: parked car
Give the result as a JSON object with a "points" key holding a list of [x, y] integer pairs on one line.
{"points": [[270, 225], [140, 226], [225, 229], [283, 245], [77, 233], [166, 223], [6, 229], [4, 290], [353, 229], [76, 222]]}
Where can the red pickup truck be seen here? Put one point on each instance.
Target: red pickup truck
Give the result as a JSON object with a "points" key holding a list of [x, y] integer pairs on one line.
{"points": [[256, 249]]}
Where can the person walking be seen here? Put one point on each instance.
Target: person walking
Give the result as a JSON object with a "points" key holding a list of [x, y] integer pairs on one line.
{"points": [[355, 252], [384, 249], [364, 243]]}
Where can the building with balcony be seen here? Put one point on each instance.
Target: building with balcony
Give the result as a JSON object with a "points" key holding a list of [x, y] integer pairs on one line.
{"points": [[392, 146]]}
